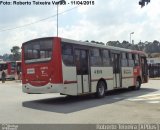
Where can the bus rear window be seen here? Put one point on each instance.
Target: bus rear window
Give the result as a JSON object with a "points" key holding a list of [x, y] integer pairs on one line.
{"points": [[37, 51]]}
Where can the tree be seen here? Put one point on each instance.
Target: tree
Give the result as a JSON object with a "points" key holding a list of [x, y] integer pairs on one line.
{"points": [[113, 43], [100, 43], [92, 41], [86, 41], [1, 57], [6, 57], [16, 55]]}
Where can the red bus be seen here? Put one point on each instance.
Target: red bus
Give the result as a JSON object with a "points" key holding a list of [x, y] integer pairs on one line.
{"points": [[59, 65], [9, 68], [18, 70]]}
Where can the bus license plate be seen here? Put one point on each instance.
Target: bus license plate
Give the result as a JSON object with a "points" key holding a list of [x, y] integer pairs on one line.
{"points": [[31, 71]]}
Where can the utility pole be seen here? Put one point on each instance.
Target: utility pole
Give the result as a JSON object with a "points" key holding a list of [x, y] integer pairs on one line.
{"points": [[131, 37], [59, 2]]}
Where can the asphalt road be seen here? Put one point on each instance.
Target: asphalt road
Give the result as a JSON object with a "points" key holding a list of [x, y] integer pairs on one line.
{"points": [[120, 106]]}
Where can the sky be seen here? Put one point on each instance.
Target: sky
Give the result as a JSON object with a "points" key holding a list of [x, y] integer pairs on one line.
{"points": [[106, 20]]}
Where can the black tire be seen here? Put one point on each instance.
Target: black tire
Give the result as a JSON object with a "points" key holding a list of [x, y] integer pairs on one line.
{"points": [[138, 84], [101, 86]]}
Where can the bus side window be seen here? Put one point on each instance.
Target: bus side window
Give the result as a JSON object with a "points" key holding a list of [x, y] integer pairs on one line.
{"points": [[95, 57], [131, 60], [124, 60], [67, 54], [136, 59], [106, 58]]}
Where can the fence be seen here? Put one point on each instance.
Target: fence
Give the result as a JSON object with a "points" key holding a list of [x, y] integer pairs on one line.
{"points": [[154, 70]]}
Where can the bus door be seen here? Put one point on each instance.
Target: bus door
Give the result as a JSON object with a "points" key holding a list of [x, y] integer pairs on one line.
{"points": [[82, 67], [144, 69], [116, 70]]}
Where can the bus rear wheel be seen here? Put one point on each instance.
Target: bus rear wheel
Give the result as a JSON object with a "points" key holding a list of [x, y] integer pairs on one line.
{"points": [[101, 86], [138, 84]]}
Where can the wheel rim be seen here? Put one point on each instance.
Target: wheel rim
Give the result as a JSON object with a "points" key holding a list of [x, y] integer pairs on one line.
{"points": [[137, 84], [101, 89]]}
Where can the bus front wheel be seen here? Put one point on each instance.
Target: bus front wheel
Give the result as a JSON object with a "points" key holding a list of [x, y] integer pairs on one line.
{"points": [[100, 89]]}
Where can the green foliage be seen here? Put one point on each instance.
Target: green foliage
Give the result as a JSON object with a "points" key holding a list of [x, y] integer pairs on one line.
{"points": [[148, 47], [16, 55]]}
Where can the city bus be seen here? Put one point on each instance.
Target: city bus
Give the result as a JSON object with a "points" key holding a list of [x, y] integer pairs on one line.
{"points": [[69, 67], [9, 68]]}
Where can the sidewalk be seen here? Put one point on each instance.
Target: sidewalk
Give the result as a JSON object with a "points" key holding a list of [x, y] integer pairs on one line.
{"points": [[157, 78], [11, 81]]}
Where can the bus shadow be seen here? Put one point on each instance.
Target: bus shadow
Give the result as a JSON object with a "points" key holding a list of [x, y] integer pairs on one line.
{"points": [[67, 104]]}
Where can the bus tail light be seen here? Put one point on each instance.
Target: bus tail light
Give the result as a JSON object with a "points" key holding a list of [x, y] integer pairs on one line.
{"points": [[135, 70]]}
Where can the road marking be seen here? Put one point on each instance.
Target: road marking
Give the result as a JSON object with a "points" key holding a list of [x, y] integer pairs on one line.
{"points": [[153, 101], [149, 98], [118, 98]]}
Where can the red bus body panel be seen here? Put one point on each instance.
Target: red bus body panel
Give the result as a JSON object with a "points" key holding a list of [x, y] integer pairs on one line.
{"points": [[44, 72]]}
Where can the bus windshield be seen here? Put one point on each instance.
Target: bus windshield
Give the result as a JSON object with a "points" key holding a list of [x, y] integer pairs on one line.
{"points": [[38, 50], [3, 66]]}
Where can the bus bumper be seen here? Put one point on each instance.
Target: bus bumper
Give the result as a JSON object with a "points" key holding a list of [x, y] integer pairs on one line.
{"points": [[49, 88], [10, 77]]}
